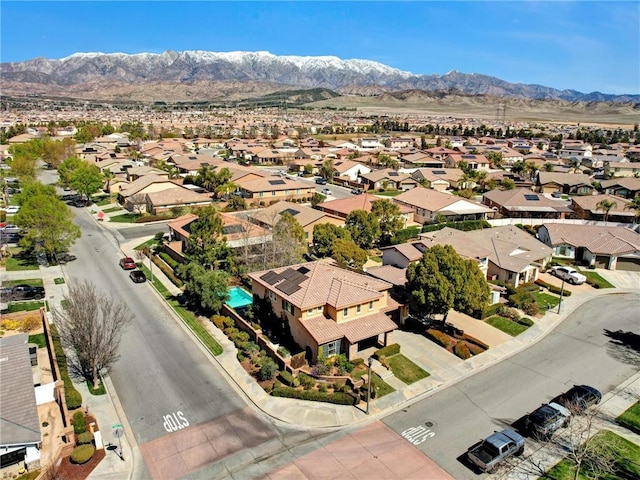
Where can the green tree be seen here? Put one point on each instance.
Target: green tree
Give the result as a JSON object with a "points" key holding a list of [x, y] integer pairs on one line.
{"points": [[326, 170], [347, 254], [317, 198], [495, 158], [389, 217], [507, 184], [606, 206], [236, 202], [206, 244], [56, 151], [288, 241], [48, 224], [31, 187], [207, 288], [66, 168], [518, 167], [363, 227], [325, 235], [442, 280], [548, 167], [86, 179], [634, 205]]}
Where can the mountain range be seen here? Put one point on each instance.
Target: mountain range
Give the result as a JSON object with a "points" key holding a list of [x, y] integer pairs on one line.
{"points": [[211, 76]]}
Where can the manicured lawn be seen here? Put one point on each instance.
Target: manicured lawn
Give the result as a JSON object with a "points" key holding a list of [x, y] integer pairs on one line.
{"points": [[112, 209], [146, 244], [101, 390], [392, 193], [376, 259], [595, 279], [405, 369], [103, 201], [627, 461], [506, 325], [20, 261], [23, 307], [32, 282], [38, 339], [381, 387], [546, 300], [630, 418], [125, 218]]}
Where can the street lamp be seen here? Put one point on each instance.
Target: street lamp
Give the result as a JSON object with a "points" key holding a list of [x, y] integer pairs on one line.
{"points": [[561, 292], [369, 363]]}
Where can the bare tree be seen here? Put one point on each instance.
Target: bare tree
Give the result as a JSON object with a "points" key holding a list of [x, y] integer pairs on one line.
{"points": [[91, 324]]}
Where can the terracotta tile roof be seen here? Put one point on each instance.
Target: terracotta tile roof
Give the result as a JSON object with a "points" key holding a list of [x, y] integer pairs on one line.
{"points": [[324, 283], [459, 240], [435, 201], [388, 173], [571, 179], [180, 223], [143, 182], [344, 206], [598, 239], [630, 183], [525, 200], [178, 196], [389, 273], [590, 203], [304, 215], [325, 330], [265, 185]]}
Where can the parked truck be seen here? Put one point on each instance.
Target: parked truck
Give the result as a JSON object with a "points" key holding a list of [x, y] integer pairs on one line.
{"points": [[488, 453]]}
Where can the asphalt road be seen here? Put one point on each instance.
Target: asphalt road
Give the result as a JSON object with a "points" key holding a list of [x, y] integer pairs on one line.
{"points": [[579, 351]]}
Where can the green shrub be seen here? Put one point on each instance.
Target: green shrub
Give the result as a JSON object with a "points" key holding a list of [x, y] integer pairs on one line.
{"points": [[529, 287], [388, 351], [286, 378], [82, 454], [283, 352], [439, 337], [79, 422], [475, 349], [168, 271], [357, 362], [305, 380], [553, 288], [465, 226], [85, 438], [473, 340], [527, 322], [72, 397], [344, 365], [173, 263], [218, 321], [339, 398], [462, 350], [268, 368], [510, 313], [490, 310]]}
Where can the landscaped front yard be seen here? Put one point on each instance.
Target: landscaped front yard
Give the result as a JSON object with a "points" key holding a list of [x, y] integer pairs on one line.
{"points": [[508, 326], [20, 261], [630, 418], [405, 370]]}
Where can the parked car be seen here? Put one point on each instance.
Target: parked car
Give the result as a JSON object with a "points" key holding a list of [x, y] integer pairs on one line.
{"points": [[569, 274], [11, 209], [138, 276], [9, 238], [25, 292], [578, 398], [356, 191], [321, 181], [488, 453], [326, 191], [127, 263], [10, 228], [546, 419], [63, 257]]}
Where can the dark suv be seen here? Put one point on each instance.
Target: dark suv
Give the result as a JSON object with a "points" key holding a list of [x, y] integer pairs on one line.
{"points": [[546, 419], [578, 398], [23, 292]]}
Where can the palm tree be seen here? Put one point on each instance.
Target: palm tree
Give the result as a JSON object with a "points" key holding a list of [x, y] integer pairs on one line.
{"points": [[548, 167], [108, 175], [481, 179], [634, 205], [225, 189], [606, 206]]}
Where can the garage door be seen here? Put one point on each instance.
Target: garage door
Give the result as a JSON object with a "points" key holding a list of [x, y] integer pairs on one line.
{"points": [[628, 264], [602, 261]]}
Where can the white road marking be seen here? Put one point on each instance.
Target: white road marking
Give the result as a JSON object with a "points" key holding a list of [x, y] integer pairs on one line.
{"points": [[174, 422]]}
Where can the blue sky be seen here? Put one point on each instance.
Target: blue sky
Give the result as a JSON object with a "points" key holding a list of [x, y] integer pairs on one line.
{"points": [[581, 45]]}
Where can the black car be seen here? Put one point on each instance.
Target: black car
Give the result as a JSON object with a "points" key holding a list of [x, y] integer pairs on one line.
{"points": [[24, 292], [579, 397], [546, 419], [138, 276], [321, 181]]}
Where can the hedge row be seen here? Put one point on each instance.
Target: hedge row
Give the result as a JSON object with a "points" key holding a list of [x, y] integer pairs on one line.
{"points": [[79, 422], [440, 338], [553, 288], [339, 398], [387, 351], [168, 271], [73, 398], [150, 218], [465, 226], [169, 260], [288, 379]]}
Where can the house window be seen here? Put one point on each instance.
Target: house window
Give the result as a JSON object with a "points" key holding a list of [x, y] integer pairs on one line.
{"points": [[370, 305], [331, 348], [261, 194], [297, 191], [358, 308], [286, 306], [286, 192], [273, 194], [345, 312]]}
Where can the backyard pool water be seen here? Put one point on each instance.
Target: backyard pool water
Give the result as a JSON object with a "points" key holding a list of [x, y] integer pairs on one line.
{"points": [[239, 297]]}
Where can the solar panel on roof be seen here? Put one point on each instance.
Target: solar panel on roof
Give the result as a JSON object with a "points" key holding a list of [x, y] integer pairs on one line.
{"points": [[271, 277], [288, 288], [393, 174], [303, 270], [290, 211], [439, 172], [531, 197], [229, 229], [277, 182]]}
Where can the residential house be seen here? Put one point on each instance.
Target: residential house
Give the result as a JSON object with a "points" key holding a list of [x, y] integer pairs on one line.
{"points": [[430, 205], [440, 179], [587, 208], [610, 247], [344, 206], [515, 256], [524, 203], [175, 198], [133, 173], [329, 310], [369, 143], [421, 159], [350, 169], [621, 169], [20, 435], [398, 143], [576, 150], [474, 162], [625, 187], [440, 153], [238, 232], [307, 217], [270, 189], [388, 179], [567, 183], [133, 195]]}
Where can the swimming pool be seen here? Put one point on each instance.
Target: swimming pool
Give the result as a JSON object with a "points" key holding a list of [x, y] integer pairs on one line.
{"points": [[239, 297]]}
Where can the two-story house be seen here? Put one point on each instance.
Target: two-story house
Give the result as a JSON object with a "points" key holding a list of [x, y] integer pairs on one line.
{"points": [[329, 310]]}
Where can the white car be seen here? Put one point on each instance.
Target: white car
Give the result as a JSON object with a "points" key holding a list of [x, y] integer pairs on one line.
{"points": [[569, 274], [11, 209], [326, 191]]}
